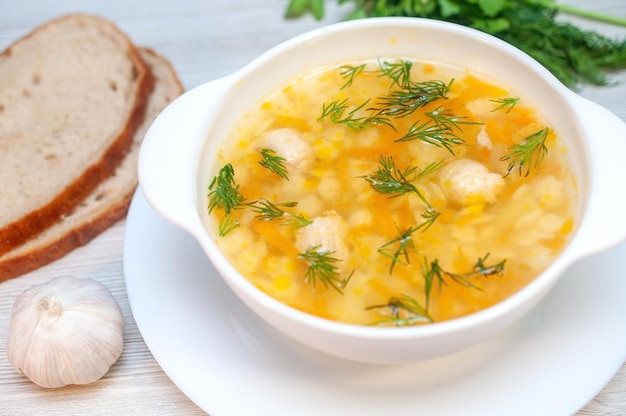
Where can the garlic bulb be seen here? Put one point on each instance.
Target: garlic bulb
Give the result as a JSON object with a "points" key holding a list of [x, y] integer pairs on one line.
{"points": [[65, 331]]}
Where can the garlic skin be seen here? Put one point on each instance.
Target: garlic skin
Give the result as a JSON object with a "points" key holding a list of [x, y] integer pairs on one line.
{"points": [[65, 331]]}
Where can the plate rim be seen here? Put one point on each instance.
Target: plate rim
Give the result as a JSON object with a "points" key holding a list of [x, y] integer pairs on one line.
{"points": [[185, 378]]}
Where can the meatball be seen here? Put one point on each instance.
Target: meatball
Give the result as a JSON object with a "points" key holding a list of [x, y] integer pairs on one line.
{"points": [[469, 182], [328, 232], [289, 144]]}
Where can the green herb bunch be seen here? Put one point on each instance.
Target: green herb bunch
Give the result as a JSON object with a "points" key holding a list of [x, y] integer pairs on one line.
{"points": [[572, 54]]}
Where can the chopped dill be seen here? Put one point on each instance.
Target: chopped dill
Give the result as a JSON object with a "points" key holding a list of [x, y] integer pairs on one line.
{"points": [[405, 97], [528, 153], [335, 111], [269, 211], [405, 101], [274, 163], [405, 310], [505, 104], [224, 191], [439, 131], [397, 249], [322, 268], [390, 180], [227, 224], [349, 73]]}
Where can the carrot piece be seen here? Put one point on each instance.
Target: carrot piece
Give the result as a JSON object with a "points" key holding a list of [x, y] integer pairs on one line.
{"points": [[371, 154], [383, 214], [446, 216], [405, 272], [495, 133], [250, 191], [568, 226], [272, 235], [443, 305], [475, 88], [381, 289], [284, 121], [405, 214]]}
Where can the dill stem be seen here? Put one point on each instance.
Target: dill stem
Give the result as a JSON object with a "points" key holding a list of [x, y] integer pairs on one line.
{"points": [[423, 198], [591, 15]]}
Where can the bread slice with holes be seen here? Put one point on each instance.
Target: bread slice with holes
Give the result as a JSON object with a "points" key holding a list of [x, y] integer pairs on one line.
{"points": [[72, 95], [109, 202]]}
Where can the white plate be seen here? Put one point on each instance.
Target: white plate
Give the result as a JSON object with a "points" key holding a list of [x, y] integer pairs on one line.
{"points": [[230, 363]]}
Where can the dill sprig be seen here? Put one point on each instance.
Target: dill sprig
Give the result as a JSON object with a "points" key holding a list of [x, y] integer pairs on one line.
{"points": [[446, 118], [322, 268], [405, 101], [227, 224], [274, 163], [224, 191], [441, 130], [349, 73], [528, 153], [505, 104], [481, 268], [269, 211], [398, 71], [397, 249], [404, 310], [392, 181], [429, 215], [335, 112], [402, 101], [433, 273], [431, 133]]}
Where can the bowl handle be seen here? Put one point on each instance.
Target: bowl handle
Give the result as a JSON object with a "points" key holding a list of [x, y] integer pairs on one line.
{"points": [[172, 144], [605, 224]]}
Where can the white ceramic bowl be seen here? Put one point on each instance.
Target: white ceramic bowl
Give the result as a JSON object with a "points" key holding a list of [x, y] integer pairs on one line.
{"points": [[173, 170]]}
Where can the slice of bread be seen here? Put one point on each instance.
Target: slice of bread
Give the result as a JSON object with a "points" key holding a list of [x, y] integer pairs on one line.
{"points": [[72, 95], [105, 205]]}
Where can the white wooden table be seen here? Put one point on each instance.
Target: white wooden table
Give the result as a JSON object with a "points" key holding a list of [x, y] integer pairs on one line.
{"points": [[204, 39]]}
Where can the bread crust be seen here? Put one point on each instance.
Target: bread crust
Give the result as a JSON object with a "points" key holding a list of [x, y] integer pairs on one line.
{"points": [[49, 248], [34, 259], [39, 219]]}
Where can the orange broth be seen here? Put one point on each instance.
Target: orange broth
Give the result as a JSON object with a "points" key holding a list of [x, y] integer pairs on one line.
{"points": [[525, 227]]}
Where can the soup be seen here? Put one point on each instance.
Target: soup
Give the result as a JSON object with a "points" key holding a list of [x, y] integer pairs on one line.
{"points": [[391, 192]]}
